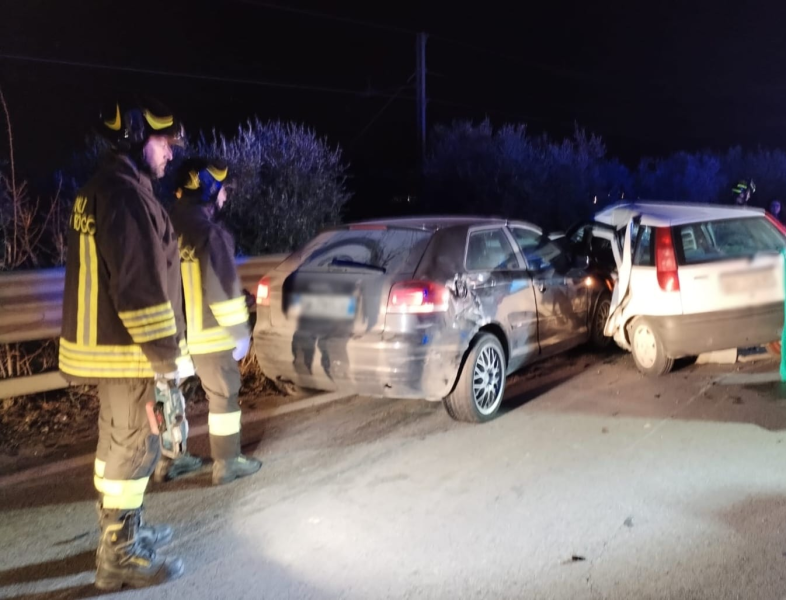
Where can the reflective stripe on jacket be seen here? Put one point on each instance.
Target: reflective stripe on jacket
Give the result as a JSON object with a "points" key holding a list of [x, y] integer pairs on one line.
{"points": [[216, 310], [122, 301]]}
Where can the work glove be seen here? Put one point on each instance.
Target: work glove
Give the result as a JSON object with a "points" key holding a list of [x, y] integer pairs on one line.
{"points": [[242, 348]]}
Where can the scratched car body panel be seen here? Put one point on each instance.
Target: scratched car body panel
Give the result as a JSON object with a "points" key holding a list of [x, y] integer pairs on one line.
{"points": [[405, 298]]}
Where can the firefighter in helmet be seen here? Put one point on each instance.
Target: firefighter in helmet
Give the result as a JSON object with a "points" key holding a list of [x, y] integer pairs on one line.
{"points": [[216, 316], [742, 192], [123, 328]]}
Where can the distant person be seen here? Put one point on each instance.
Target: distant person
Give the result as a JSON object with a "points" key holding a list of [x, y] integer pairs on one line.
{"points": [[217, 328], [742, 192], [123, 328], [775, 210]]}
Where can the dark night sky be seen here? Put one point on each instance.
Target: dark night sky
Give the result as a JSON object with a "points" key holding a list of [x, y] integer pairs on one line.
{"points": [[649, 77]]}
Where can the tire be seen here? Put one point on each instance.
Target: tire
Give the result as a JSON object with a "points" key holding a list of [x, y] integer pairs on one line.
{"points": [[484, 363], [647, 349], [599, 341]]}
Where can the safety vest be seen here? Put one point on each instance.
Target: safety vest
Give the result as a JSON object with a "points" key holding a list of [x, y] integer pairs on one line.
{"points": [[215, 306], [122, 300]]}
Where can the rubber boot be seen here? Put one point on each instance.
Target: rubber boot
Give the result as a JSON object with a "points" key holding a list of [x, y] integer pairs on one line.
{"points": [[168, 469], [152, 536], [228, 463], [123, 560]]}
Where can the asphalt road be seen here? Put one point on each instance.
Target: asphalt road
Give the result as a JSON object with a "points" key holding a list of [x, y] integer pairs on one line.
{"points": [[594, 483]]}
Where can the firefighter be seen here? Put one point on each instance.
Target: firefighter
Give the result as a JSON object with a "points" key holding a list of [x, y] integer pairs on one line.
{"points": [[742, 192], [216, 314], [122, 328]]}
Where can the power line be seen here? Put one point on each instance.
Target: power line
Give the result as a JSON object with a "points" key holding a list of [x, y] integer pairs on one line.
{"points": [[382, 110], [401, 30], [157, 72], [396, 95], [391, 97]]}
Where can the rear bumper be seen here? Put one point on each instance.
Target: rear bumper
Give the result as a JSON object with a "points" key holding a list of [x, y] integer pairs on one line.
{"points": [[404, 366], [691, 335]]}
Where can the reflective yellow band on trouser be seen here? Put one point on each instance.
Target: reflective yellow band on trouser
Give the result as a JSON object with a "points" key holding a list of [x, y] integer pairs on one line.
{"points": [[98, 475], [124, 494], [223, 424]]}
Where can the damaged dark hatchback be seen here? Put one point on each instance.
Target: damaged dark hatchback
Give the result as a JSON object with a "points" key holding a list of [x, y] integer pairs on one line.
{"points": [[439, 308]]}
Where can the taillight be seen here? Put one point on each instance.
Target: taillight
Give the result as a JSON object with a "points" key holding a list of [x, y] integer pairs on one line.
{"points": [[781, 227], [666, 260], [263, 292], [418, 297]]}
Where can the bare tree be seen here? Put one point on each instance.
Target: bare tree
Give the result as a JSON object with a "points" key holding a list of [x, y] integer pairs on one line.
{"points": [[23, 220]]}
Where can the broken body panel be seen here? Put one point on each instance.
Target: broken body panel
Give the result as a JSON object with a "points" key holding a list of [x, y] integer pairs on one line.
{"points": [[705, 312], [368, 343]]}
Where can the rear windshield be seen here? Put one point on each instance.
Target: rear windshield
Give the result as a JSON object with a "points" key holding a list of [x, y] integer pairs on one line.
{"points": [[728, 239], [394, 250]]}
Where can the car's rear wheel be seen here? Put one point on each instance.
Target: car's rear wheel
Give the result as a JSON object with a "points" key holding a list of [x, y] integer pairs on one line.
{"points": [[481, 383], [648, 351], [598, 339]]}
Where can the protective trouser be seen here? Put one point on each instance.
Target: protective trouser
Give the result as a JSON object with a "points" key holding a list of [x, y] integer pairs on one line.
{"points": [[127, 449], [220, 377]]}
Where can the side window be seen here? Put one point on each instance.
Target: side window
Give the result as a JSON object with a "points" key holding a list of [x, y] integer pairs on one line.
{"points": [[490, 250], [541, 253], [643, 256], [527, 239]]}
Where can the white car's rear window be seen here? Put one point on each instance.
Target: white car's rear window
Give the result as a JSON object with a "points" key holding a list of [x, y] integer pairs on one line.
{"points": [[727, 239]]}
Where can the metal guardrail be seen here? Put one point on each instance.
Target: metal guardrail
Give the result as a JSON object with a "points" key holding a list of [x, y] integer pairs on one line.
{"points": [[31, 304]]}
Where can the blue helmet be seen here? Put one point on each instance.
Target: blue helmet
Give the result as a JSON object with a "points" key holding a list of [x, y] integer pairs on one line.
{"points": [[202, 177]]}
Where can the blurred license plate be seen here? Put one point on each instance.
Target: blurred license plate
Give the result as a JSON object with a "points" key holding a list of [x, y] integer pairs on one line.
{"points": [[325, 306], [748, 281]]}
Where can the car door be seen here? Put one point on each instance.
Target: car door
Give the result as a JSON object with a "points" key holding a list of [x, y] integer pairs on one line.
{"points": [[560, 289], [599, 241], [503, 288], [619, 296]]}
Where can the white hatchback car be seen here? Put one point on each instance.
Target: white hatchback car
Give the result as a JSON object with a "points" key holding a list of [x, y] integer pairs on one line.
{"points": [[691, 279]]}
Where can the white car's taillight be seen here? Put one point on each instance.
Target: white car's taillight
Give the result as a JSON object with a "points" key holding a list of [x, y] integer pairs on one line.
{"points": [[666, 260]]}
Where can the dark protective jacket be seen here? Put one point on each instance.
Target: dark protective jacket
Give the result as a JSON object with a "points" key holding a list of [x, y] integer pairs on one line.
{"points": [[122, 302], [215, 306]]}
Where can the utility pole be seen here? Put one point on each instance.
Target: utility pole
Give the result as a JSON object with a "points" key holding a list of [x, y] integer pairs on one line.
{"points": [[420, 96]]}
